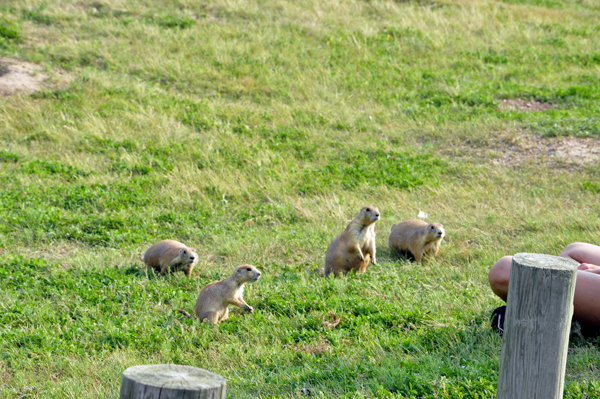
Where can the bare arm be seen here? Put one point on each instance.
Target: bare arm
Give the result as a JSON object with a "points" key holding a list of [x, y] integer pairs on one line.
{"points": [[586, 267], [582, 252], [588, 256]]}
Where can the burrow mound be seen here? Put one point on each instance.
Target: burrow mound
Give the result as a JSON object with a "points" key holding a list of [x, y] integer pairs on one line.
{"points": [[17, 77]]}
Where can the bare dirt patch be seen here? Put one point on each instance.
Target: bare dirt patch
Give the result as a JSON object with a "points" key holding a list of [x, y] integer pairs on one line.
{"points": [[18, 77], [518, 104], [568, 151], [316, 348]]}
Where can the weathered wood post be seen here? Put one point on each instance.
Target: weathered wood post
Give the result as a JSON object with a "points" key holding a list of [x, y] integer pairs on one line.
{"points": [[536, 329], [171, 381]]}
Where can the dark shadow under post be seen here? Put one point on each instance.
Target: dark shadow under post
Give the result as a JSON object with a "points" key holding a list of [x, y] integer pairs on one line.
{"points": [[536, 329], [172, 381]]}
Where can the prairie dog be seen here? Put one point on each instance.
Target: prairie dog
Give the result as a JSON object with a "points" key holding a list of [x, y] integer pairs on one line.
{"points": [[355, 247], [416, 236], [170, 255], [214, 299]]}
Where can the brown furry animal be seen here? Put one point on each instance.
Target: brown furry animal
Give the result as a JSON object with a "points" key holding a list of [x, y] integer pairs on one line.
{"points": [[214, 299], [416, 236], [355, 247], [170, 255]]}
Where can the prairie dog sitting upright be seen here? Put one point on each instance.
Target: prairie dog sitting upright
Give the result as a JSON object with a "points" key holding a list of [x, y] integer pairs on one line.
{"points": [[214, 299], [416, 236], [355, 247], [170, 255]]}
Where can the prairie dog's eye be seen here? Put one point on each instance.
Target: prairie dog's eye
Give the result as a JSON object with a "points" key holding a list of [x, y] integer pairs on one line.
{"points": [[184, 251], [368, 210], [248, 269]]}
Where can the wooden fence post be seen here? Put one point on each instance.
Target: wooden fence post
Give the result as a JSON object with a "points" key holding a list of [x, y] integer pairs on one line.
{"points": [[539, 308], [172, 381]]}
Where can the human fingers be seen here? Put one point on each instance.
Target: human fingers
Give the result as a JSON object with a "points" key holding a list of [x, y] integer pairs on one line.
{"points": [[595, 271]]}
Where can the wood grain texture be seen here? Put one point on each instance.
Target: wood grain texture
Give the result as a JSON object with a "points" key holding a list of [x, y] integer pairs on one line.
{"points": [[171, 381], [536, 330]]}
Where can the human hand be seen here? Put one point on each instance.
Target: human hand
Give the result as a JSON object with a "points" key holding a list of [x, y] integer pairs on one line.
{"points": [[588, 267], [594, 271]]}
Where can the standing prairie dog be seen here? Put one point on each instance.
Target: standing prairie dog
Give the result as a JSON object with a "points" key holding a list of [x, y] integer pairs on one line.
{"points": [[416, 236], [170, 255], [355, 247], [214, 299]]}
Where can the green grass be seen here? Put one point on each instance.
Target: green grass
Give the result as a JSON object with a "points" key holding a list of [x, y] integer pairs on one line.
{"points": [[253, 131]]}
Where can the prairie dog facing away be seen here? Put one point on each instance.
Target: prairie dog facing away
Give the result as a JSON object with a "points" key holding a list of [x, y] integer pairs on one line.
{"points": [[416, 236], [214, 299], [355, 247], [170, 255]]}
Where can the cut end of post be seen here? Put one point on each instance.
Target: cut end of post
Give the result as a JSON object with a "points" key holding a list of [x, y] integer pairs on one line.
{"points": [[161, 381], [546, 261]]}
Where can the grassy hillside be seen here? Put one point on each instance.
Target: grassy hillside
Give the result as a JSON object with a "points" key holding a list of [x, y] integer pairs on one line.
{"points": [[254, 131]]}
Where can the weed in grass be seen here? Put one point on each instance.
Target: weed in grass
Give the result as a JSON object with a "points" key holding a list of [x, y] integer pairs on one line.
{"points": [[47, 168], [171, 21], [9, 31], [7, 156], [592, 186]]}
